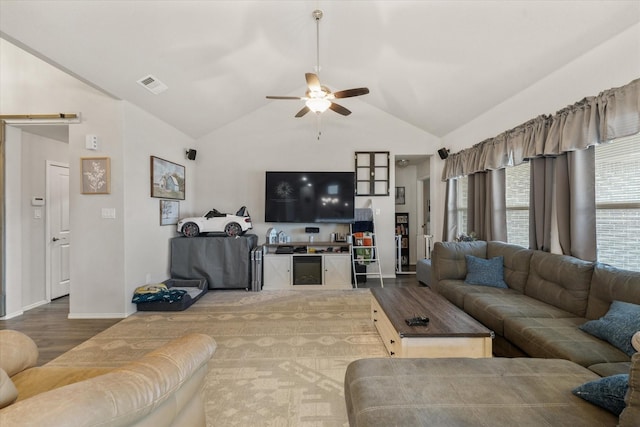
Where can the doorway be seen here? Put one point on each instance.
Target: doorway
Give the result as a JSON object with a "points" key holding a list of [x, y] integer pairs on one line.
{"points": [[26, 150], [412, 181]]}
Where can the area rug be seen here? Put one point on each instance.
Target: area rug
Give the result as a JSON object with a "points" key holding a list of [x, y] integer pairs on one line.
{"points": [[281, 355]]}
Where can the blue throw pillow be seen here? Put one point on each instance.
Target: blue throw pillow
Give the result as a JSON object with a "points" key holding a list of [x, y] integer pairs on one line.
{"points": [[617, 326], [486, 272], [607, 392]]}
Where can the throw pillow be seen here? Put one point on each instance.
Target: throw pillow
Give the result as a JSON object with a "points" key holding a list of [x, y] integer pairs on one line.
{"points": [[486, 272], [607, 392], [617, 326]]}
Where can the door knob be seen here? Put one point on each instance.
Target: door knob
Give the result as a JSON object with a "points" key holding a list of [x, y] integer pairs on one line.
{"points": [[55, 239]]}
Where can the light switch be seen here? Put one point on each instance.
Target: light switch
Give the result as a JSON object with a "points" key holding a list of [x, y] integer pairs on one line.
{"points": [[91, 142], [37, 213], [109, 213]]}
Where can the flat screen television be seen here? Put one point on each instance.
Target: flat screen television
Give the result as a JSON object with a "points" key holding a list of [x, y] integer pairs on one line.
{"points": [[309, 197]]}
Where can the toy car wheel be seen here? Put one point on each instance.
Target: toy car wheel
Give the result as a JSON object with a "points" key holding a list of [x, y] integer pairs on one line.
{"points": [[190, 229], [233, 229]]}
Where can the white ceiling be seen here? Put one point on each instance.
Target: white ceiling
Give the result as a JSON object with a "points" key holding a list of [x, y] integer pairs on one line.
{"points": [[434, 64]]}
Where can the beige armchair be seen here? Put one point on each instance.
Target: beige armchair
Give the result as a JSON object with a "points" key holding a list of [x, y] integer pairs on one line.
{"points": [[162, 388]]}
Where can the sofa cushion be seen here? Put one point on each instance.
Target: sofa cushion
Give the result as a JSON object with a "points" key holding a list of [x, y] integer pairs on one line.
{"points": [[473, 392], [34, 381], [631, 413], [516, 262], [635, 341], [609, 284], [485, 272], [560, 338], [8, 391], [449, 259], [607, 392], [492, 309], [618, 326], [612, 368], [560, 280], [456, 290]]}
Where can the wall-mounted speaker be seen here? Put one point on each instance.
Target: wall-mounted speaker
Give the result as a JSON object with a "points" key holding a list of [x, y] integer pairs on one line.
{"points": [[312, 230], [443, 153], [191, 154]]}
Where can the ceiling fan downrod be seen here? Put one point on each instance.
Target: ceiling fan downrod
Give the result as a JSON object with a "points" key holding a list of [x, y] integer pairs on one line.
{"points": [[317, 15]]}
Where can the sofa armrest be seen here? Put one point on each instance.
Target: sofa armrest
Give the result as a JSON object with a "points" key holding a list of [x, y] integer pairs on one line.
{"points": [[17, 352], [163, 385]]}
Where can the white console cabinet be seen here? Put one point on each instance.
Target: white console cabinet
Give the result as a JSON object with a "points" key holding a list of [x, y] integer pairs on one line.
{"points": [[310, 266]]}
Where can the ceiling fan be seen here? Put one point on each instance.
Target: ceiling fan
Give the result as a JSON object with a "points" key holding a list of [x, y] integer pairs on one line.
{"points": [[318, 98]]}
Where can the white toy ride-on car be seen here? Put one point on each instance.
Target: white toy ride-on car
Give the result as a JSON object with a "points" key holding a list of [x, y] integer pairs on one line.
{"points": [[216, 222]]}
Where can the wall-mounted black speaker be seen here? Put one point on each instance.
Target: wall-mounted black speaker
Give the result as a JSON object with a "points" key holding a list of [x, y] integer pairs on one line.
{"points": [[312, 230], [443, 153], [191, 154]]}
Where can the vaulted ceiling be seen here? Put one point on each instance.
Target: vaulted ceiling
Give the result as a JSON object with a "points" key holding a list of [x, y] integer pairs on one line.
{"points": [[434, 64]]}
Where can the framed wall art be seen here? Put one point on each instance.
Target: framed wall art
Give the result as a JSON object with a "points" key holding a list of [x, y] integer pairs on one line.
{"points": [[169, 212], [96, 175], [167, 179]]}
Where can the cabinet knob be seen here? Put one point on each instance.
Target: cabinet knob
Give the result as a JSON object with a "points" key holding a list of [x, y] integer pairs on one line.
{"points": [[392, 353], [375, 320], [392, 341], [375, 311]]}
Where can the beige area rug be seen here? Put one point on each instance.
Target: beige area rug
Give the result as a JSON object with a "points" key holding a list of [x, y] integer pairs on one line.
{"points": [[281, 355]]}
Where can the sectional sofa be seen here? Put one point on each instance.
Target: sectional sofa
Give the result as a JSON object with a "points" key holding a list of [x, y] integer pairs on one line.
{"points": [[552, 316]]}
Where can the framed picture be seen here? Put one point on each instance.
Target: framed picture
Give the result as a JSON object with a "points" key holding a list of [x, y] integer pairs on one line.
{"points": [[96, 175], [167, 179], [169, 212], [399, 195]]}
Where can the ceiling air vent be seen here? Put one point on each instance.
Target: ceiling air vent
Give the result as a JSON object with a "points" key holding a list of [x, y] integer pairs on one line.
{"points": [[152, 84]]}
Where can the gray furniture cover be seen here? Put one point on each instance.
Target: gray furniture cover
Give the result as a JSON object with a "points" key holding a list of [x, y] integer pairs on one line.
{"points": [[223, 261]]}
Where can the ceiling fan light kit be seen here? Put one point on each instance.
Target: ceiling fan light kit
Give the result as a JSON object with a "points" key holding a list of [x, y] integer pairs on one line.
{"points": [[319, 98]]}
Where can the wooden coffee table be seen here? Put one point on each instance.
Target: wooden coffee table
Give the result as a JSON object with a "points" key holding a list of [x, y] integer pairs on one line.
{"points": [[450, 333]]}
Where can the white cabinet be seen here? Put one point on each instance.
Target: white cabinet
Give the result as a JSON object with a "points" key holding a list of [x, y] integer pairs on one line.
{"points": [[312, 270], [337, 269], [276, 271]]}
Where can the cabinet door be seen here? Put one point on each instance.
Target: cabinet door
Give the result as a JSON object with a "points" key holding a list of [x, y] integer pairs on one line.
{"points": [[277, 271], [337, 270]]}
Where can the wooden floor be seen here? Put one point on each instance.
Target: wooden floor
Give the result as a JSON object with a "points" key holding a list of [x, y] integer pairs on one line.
{"points": [[51, 329], [54, 333]]}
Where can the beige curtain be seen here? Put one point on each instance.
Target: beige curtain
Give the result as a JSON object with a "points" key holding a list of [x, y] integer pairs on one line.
{"points": [[487, 213], [614, 113], [562, 172]]}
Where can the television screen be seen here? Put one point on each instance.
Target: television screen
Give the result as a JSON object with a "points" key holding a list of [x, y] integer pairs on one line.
{"points": [[309, 197]]}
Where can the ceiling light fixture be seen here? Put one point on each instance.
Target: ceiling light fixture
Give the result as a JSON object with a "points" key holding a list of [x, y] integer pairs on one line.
{"points": [[402, 163]]}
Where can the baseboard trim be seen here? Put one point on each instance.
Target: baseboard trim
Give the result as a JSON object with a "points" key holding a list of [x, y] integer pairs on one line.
{"points": [[97, 316], [34, 305], [12, 315]]}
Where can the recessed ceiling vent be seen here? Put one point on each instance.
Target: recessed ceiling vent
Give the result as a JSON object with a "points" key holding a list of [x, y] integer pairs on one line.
{"points": [[152, 84]]}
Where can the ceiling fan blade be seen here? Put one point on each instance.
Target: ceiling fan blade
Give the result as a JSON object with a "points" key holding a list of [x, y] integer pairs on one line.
{"points": [[302, 112], [339, 109], [313, 82], [351, 92], [283, 97]]}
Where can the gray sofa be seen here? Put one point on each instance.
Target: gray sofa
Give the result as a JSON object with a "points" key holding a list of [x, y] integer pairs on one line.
{"points": [[535, 319], [547, 298]]}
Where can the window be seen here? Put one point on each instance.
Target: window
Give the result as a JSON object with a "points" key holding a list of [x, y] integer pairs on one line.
{"points": [[372, 173], [517, 204], [461, 205], [618, 202]]}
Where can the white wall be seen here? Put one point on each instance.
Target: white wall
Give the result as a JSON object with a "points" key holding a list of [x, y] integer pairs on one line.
{"points": [[36, 150], [100, 285], [147, 248], [233, 160], [612, 64]]}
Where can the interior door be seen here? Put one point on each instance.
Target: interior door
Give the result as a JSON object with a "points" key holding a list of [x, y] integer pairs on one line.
{"points": [[59, 231]]}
